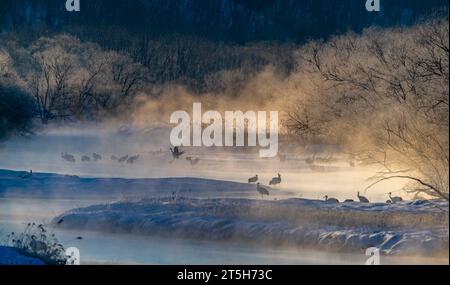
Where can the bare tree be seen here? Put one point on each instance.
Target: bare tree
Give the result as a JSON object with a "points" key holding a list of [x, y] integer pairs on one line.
{"points": [[124, 78], [384, 95], [89, 80], [50, 85]]}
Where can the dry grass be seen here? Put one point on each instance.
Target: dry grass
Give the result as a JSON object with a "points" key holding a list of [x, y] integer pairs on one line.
{"points": [[37, 242], [301, 214]]}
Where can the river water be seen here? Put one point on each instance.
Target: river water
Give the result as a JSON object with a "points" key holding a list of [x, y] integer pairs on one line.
{"points": [[42, 153], [107, 248]]}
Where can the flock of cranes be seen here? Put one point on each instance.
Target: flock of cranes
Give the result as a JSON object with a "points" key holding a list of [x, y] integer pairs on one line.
{"points": [[130, 159], [362, 199], [177, 153], [125, 159], [275, 181], [97, 157], [265, 191]]}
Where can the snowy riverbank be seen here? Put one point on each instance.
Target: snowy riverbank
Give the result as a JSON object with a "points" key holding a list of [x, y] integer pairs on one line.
{"points": [[216, 210], [10, 256], [49, 185], [417, 227]]}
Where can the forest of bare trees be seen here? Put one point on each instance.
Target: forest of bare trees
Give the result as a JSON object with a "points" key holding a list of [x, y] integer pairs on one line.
{"points": [[71, 79], [384, 96]]}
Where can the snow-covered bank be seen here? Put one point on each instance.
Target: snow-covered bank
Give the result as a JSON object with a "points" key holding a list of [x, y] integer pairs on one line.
{"points": [[10, 256], [46, 185], [417, 227]]}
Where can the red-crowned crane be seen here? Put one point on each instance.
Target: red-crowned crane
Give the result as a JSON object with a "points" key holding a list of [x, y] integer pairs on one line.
{"points": [[176, 153], [262, 190], [276, 180], [395, 199], [331, 200], [253, 179], [363, 199]]}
